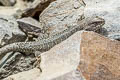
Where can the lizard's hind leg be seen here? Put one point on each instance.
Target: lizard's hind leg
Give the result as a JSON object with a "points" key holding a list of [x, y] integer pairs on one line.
{"points": [[38, 60]]}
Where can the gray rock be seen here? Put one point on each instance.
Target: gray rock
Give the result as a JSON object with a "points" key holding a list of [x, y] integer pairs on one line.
{"points": [[28, 75], [16, 62], [31, 21], [115, 36], [15, 10], [8, 2], [9, 31], [109, 10], [36, 7], [73, 75], [31, 27], [60, 14]]}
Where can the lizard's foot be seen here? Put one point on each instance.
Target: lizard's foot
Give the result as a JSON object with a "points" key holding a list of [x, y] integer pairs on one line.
{"points": [[38, 60]]}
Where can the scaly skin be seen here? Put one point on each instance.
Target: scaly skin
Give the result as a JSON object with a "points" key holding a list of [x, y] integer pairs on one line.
{"points": [[92, 24]]}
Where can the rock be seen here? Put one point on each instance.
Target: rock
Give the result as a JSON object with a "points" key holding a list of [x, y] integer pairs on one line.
{"points": [[9, 31], [15, 63], [108, 10], [36, 7], [8, 2], [22, 4], [28, 75], [30, 21], [15, 10], [115, 36], [99, 57], [32, 28], [73, 75], [60, 14], [6, 10]]}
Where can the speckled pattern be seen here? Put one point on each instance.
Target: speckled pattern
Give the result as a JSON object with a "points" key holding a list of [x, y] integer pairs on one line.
{"points": [[92, 23]]}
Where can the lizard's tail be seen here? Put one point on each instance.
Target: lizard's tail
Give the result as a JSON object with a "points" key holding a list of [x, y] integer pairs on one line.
{"points": [[27, 47], [6, 49]]}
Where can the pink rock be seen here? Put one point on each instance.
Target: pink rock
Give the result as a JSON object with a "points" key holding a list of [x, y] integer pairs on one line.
{"points": [[99, 57]]}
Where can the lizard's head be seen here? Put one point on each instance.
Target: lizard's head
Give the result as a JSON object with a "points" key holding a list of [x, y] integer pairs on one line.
{"points": [[93, 23]]}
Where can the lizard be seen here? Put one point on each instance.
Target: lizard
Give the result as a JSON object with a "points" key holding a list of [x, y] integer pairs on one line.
{"points": [[90, 24]]}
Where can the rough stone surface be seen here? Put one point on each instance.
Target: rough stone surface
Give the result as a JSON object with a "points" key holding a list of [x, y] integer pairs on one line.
{"points": [[8, 2], [31, 21], [6, 10], [73, 75], [21, 4], [15, 63], [60, 14], [36, 7], [9, 31], [27, 75], [15, 10], [99, 57], [109, 10]]}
